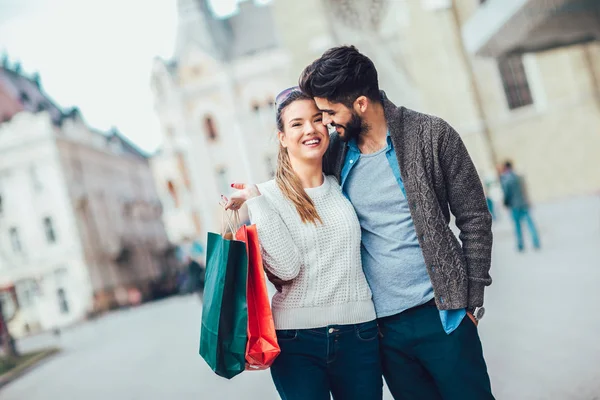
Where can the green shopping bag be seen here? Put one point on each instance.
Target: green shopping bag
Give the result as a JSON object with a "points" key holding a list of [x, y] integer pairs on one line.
{"points": [[223, 334]]}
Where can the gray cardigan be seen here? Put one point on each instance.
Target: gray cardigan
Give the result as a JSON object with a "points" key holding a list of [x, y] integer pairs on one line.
{"points": [[439, 178]]}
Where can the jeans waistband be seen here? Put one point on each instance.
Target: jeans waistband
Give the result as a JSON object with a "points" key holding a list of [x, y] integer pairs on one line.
{"points": [[430, 303], [329, 329]]}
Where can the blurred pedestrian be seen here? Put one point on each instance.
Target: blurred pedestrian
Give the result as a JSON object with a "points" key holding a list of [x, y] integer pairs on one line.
{"points": [[516, 199], [191, 254], [489, 201]]}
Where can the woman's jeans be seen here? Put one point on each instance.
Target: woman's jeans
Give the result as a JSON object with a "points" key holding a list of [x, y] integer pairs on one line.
{"points": [[339, 359]]}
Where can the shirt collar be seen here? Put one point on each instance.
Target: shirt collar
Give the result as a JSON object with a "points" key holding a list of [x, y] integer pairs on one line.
{"points": [[352, 145]]}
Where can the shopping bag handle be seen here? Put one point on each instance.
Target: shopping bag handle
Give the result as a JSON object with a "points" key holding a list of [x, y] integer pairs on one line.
{"points": [[233, 225]]}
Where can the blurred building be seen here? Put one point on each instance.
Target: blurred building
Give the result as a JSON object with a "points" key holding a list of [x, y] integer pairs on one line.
{"points": [[80, 220], [517, 78], [215, 101], [536, 65], [375, 27]]}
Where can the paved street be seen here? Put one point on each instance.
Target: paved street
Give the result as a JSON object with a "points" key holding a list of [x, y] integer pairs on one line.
{"points": [[540, 333]]}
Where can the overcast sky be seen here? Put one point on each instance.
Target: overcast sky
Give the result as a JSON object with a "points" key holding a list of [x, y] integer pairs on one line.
{"points": [[97, 55]]}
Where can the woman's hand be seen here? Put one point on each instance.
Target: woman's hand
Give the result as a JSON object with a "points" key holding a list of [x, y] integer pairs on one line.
{"points": [[244, 192]]}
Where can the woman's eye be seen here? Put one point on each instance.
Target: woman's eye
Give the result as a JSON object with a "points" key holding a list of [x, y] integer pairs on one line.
{"points": [[296, 125], [319, 119]]}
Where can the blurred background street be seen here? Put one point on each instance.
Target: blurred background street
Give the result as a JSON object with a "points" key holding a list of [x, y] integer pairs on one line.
{"points": [[538, 345], [122, 122]]}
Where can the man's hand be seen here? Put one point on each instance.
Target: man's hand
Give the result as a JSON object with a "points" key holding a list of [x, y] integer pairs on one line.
{"points": [[244, 192], [472, 318]]}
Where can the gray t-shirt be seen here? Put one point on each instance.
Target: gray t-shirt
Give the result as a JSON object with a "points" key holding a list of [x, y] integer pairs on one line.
{"points": [[392, 258]]}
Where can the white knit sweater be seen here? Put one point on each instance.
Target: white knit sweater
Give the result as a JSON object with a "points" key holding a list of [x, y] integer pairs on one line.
{"points": [[322, 261]]}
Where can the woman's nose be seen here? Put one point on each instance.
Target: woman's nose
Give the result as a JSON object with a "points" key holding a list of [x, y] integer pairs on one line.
{"points": [[309, 127]]}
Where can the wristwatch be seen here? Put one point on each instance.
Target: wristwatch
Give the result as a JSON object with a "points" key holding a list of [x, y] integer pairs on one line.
{"points": [[478, 312]]}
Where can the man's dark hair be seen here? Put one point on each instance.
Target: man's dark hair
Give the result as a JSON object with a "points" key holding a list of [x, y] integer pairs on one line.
{"points": [[508, 165], [341, 75]]}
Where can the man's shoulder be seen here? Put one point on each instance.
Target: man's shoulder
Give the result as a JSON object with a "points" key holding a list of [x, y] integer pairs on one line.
{"points": [[413, 116], [419, 125], [406, 116]]}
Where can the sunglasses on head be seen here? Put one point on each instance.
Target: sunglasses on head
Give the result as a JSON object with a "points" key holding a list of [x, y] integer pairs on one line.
{"points": [[281, 97]]}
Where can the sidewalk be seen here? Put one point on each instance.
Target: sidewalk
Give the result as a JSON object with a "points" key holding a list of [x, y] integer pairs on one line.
{"points": [[540, 333]]}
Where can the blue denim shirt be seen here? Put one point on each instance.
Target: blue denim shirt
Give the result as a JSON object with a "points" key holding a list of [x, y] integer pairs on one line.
{"points": [[451, 319]]}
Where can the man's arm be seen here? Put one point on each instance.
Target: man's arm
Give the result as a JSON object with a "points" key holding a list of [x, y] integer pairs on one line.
{"points": [[468, 204]]}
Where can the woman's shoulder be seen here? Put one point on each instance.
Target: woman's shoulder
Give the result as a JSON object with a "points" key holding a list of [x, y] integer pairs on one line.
{"points": [[333, 182], [269, 189]]}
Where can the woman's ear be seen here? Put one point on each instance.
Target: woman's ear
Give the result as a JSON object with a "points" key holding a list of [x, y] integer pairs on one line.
{"points": [[281, 138]]}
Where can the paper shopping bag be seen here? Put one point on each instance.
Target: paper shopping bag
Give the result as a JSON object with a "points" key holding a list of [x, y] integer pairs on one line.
{"points": [[262, 347], [223, 334]]}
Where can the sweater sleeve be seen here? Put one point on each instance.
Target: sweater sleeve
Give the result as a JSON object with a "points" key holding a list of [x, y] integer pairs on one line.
{"points": [[280, 254], [468, 204]]}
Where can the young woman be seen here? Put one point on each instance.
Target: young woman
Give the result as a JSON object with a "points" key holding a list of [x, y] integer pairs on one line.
{"points": [[310, 236]]}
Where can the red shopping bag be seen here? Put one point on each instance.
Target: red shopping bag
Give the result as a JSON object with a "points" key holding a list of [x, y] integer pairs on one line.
{"points": [[262, 347]]}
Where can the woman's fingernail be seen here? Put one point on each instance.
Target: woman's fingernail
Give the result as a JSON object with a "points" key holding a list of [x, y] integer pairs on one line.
{"points": [[232, 185]]}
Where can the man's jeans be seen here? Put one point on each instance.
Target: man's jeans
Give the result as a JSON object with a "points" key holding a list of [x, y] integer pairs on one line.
{"points": [[422, 362], [339, 359], [518, 215]]}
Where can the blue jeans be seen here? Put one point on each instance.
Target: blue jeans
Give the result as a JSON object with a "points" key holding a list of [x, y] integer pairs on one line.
{"points": [[342, 360], [520, 214], [422, 362]]}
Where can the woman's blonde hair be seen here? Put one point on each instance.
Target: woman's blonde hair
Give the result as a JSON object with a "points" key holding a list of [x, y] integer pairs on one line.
{"points": [[288, 181]]}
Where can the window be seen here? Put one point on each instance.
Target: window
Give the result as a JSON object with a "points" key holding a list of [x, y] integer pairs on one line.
{"points": [[514, 80], [222, 180], [197, 222], [181, 164], [49, 229], [24, 98], [270, 166], [173, 192], [63, 304], [25, 291], [14, 240], [35, 179], [209, 126]]}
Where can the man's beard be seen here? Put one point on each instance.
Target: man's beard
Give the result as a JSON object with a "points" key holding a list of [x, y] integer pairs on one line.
{"points": [[353, 129]]}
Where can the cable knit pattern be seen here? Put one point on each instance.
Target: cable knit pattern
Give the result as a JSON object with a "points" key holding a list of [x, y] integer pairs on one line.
{"points": [[323, 261], [439, 177]]}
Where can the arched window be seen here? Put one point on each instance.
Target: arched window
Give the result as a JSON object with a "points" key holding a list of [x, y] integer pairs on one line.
{"points": [[182, 166], [173, 192], [209, 126]]}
